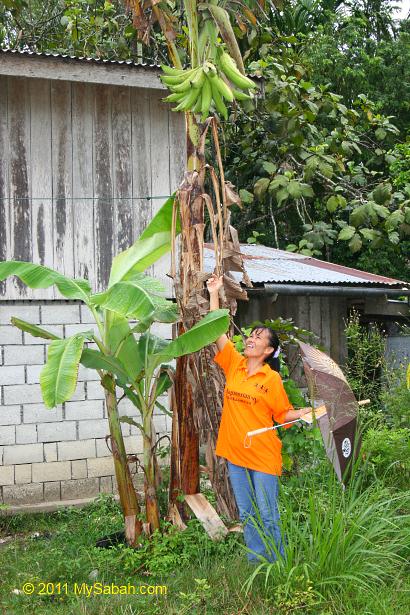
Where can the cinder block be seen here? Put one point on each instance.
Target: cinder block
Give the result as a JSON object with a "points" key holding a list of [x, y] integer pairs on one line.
{"points": [[22, 394], [6, 475], [23, 474], [9, 415], [34, 413], [58, 330], [94, 390], [13, 374], [90, 409], [127, 408], [45, 472], [23, 453], [81, 328], [26, 434], [77, 489], [56, 432], [10, 335], [93, 429], [7, 434], [162, 329], [50, 451], [28, 312], [102, 466], [79, 393], [33, 373], [106, 484], [52, 492], [23, 494], [86, 315], [85, 373], [133, 444], [80, 449], [79, 469], [102, 448], [29, 355], [60, 314], [160, 423]]}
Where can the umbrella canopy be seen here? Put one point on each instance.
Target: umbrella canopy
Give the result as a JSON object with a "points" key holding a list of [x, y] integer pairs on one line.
{"points": [[328, 385]]}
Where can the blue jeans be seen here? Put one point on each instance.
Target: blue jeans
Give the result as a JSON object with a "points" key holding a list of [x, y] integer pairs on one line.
{"points": [[256, 497]]}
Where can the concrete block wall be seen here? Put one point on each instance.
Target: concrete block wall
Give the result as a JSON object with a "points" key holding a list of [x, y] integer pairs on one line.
{"points": [[59, 454]]}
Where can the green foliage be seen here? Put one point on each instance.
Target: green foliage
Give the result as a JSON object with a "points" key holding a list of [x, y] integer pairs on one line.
{"points": [[365, 364], [388, 453], [170, 549], [352, 52], [395, 397], [319, 169], [338, 544], [94, 28]]}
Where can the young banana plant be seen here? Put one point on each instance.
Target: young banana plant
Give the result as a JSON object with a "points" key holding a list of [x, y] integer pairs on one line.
{"points": [[131, 303]]}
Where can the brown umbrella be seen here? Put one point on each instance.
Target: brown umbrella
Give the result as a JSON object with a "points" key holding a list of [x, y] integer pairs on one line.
{"points": [[328, 385]]}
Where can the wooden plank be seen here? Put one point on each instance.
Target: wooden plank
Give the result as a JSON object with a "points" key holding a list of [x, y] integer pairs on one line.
{"points": [[334, 328], [177, 149], [83, 181], [41, 179], [4, 183], [82, 71], [122, 168], [315, 320], [62, 163], [20, 180], [160, 187], [141, 160], [342, 318], [103, 204], [207, 515], [325, 325]]}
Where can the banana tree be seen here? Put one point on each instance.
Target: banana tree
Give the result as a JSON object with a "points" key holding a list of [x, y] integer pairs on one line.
{"points": [[131, 303], [213, 79]]}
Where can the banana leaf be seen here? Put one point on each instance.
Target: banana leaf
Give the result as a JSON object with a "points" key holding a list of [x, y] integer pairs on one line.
{"points": [[154, 242], [38, 276], [58, 378], [34, 330]]}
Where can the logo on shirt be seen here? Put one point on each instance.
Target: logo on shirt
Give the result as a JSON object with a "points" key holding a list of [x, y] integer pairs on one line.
{"points": [[238, 396], [261, 387]]}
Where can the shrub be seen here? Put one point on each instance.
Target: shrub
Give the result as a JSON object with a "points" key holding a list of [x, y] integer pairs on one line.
{"points": [[388, 454], [396, 398]]}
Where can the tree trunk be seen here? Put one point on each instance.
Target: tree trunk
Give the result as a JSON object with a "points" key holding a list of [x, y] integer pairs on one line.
{"points": [[126, 490], [151, 501], [184, 474]]}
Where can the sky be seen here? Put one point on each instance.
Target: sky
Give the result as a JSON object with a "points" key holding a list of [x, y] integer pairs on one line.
{"points": [[404, 10]]}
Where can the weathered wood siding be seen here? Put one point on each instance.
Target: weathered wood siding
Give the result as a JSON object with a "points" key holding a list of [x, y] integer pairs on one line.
{"points": [[77, 163]]}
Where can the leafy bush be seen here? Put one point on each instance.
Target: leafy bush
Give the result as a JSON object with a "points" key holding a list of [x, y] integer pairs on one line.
{"points": [[388, 453], [364, 366], [396, 398], [166, 552]]}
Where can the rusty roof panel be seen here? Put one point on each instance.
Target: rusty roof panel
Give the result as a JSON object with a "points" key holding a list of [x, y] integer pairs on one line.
{"points": [[268, 265]]}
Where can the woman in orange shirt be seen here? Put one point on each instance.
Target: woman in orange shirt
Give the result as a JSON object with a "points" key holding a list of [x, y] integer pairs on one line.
{"points": [[254, 397]]}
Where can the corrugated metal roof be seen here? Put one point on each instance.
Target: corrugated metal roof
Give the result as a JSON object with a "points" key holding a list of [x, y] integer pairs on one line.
{"points": [[66, 57], [269, 265]]}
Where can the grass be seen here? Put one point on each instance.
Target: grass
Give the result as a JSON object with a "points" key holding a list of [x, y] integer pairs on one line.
{"points": [[345, 555]]}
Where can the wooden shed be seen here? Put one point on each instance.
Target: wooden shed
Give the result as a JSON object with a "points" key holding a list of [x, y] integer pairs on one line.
{"points": [[88, 152]]}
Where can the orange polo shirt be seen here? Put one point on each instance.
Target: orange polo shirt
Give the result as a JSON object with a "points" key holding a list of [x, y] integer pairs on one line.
{"points": [[250, 402]]}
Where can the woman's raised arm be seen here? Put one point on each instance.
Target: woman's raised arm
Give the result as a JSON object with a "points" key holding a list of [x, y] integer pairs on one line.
{"points": [[213, 284]]}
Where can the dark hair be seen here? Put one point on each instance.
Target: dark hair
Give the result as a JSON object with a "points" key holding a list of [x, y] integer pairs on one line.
{"points": [[272, 361]]}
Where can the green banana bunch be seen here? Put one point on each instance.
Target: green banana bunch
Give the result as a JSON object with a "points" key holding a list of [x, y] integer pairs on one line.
{"points": [[207, 86]]}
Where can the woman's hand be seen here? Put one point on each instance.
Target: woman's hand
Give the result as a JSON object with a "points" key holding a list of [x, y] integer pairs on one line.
{"points": [[214, 283]]}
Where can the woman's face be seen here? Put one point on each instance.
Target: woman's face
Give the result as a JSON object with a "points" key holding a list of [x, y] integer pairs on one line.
{"points": [[257, 345]]}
